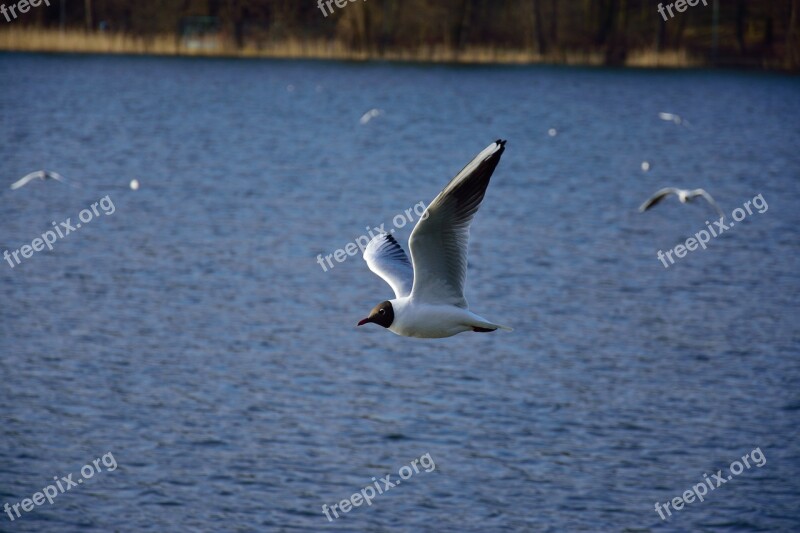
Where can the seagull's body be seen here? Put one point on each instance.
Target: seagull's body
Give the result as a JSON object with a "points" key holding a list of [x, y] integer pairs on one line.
{"points": [[430, 300], [684, 195], [39, 174], [432, 321]]}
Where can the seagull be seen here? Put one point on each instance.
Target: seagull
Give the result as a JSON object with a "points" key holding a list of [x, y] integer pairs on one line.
{"points": [[39, 174], [672, 117], [429, 298], [684, 195], [369, 115]]}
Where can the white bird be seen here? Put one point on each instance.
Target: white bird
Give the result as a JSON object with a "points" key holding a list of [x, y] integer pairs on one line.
{"points": [[672, 117], [369, 115], [429, 294], [684, 195], [39, 174]]}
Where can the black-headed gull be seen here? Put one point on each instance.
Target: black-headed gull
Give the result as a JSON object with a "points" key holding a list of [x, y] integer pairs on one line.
{"points": [[39, 174], [684, 195], [429, 294]]}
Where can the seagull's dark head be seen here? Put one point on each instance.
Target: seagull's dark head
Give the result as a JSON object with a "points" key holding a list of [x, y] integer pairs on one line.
{"points": [[382, 314]]}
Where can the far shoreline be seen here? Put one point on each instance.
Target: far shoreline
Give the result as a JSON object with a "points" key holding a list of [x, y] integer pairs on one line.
{"points": [[36, 40]]}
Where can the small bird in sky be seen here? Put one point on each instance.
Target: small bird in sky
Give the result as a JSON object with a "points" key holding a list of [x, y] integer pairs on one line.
{"points": [[429, 289], [39, 174], [684, 195]]}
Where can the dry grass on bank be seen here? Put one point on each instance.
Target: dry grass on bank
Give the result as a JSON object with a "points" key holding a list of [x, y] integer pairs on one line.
{"points": [[667, 58], [72, 41]]}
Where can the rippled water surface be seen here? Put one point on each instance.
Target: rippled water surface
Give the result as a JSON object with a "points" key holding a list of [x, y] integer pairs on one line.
{"points": [[192, 334]]}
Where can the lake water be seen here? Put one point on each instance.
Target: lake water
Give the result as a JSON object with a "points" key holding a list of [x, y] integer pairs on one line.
{"points": [[192, 334]]}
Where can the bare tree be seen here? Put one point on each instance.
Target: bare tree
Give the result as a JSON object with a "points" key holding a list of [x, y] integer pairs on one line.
{"points": [[87, 7]]}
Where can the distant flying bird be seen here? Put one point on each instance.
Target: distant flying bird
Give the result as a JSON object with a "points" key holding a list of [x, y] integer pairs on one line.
{"points": [[369, 115], [429, 293], [39, 174], [684, 195], [672, 117]]}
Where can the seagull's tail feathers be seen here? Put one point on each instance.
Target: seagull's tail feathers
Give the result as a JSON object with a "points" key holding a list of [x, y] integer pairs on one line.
{"points": [[495, 327], [482, 325]]}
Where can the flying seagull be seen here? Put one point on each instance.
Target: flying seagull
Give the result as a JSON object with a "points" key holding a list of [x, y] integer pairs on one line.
{"points": [[684, 195], [429, 289], [369, 115], [39, 174], [672, 117]]}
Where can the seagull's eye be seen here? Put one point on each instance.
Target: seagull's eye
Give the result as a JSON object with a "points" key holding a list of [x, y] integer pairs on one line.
{"points": [[382, 311]]}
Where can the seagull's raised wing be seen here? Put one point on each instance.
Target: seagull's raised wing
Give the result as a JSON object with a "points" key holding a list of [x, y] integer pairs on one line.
{"points": [[388, 260], [709, 199], [25, 179], [657, 197], [439, 242]]}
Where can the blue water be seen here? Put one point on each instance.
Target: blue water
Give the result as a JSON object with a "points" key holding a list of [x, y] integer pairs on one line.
{"points": [[192, 334]]}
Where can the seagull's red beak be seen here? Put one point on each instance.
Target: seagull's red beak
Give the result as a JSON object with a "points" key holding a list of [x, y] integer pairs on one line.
{"points": [[364, 321]]}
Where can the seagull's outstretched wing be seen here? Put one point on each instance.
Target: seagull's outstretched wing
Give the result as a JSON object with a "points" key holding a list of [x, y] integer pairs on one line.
{"points": [[439, 242], [54, 176], [388, 260], [58, 177], [39, 174], [709, 199], [657, 197]]}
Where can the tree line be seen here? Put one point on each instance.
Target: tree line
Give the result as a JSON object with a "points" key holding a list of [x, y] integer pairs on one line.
{"points": [[738, 32]]}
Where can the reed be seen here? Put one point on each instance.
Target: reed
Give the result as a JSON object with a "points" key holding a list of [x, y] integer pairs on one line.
{"points": [[76, 41], [662, 59]]}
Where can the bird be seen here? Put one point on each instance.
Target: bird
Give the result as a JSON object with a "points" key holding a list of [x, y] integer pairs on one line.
{"points": [[39, 174], [429, 290], [684, 195], [369, 115], [672, 117]]}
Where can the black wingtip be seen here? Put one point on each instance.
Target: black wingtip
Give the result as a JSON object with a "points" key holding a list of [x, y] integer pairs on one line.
{"points": [[501, 142]]}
